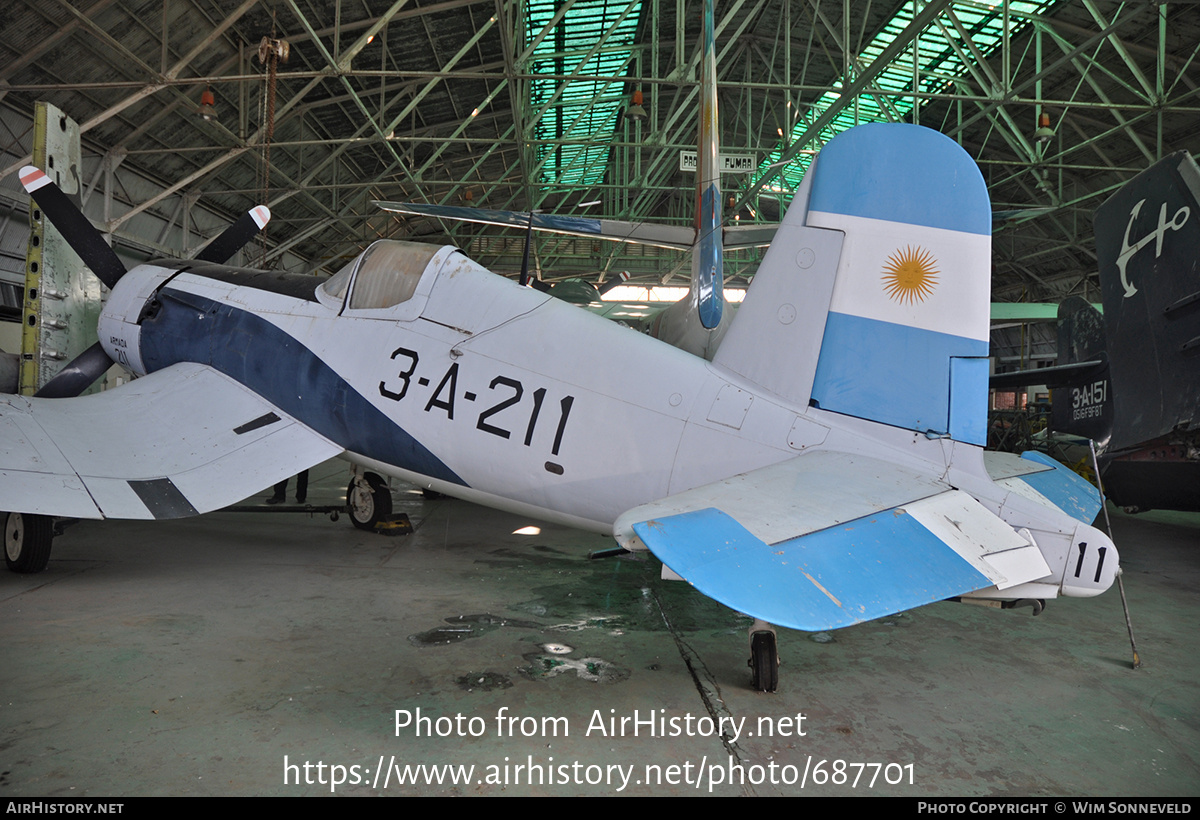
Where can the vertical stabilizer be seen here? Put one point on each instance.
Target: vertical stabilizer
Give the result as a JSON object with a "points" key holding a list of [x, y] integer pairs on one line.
{"points": [[905, 333], [707, 264], [698, 323], [1083, 406], [906, 339], [1148, 247]]}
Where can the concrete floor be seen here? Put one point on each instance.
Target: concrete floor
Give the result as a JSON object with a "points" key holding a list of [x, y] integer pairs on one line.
{"points": [[219, 655]]}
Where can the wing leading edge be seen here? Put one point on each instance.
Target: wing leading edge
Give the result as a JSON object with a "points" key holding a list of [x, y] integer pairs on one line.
{"points": [[181, 441], [814, 557]]}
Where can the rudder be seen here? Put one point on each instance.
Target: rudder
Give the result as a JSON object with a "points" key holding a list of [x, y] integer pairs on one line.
{"points": [[906, 337], [1147, 246], [883, 265]]}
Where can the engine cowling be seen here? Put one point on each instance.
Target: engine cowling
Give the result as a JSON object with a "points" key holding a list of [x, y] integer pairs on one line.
{"points": [[130, 302]]}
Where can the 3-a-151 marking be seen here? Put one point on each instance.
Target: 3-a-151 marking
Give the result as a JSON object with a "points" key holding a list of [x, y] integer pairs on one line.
{"points": [[1087, 401], [444, 396]]}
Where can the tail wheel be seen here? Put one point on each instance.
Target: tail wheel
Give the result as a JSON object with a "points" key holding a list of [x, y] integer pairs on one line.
{"points": [[27, 540], [369, 501], [764, 662]]}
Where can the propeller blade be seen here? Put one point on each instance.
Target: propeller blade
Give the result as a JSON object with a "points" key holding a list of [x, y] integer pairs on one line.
{"points": [[80, 233], [620, 279], [235, 237], [78, 375]]}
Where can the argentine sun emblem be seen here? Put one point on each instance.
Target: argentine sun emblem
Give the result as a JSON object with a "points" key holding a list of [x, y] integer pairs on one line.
{"points": [[910, 275]]}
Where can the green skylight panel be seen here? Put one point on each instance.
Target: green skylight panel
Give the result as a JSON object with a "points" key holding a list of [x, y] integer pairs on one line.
{"points": [[585, 113], [939, 66]]}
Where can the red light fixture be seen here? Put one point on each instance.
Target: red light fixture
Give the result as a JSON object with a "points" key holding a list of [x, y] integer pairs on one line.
{"points": [[208, 104], [636, 111], [1044, 132]]}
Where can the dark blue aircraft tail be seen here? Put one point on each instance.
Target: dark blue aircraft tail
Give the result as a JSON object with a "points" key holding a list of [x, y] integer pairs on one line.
{"points": [[1148, 245]]}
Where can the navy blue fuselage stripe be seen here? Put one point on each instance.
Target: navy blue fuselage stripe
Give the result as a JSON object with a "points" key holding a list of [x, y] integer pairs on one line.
{"points": [[276, 366]]}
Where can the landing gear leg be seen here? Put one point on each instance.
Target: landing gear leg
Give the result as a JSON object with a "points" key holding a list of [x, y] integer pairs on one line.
{"points": [[764, 657], [369, 500], [27, 540]]}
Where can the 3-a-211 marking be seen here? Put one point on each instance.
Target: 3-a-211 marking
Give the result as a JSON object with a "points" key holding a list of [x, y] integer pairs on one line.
{"points": [[509, 391]]}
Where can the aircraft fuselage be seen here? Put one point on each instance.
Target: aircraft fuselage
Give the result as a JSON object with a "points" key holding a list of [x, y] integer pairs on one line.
{"points": [[499, 394], [583, 416]]}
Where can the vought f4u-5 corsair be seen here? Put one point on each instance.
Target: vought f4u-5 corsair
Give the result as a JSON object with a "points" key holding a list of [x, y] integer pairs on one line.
{"points": [[825, 468], [814, 462]]}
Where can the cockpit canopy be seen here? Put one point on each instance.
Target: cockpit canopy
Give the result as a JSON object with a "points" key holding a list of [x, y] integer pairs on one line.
{"points": [[384, 275], [394, 281]]}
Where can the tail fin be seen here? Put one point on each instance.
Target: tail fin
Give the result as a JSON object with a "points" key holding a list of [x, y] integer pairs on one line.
{"points": [[707, 262], [1148, 246], [890, 324], [1082, 405]]}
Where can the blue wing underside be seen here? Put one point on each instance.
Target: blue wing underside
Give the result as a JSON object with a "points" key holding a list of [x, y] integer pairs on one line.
{"points": [[830, 539]]}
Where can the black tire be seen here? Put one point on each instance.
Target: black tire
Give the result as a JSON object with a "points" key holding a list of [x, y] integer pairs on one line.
{"points": [[27, 541], [764, 662], [368, 505]]}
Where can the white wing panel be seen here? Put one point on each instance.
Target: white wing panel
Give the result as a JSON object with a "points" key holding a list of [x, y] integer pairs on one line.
{"points": [[1000, 466], [980, 538], [1022, 489], [797, 496], [34, 469], [182, 441]]}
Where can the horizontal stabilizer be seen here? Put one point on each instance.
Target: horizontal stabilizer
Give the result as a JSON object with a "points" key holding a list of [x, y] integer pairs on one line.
{"points": [[1037, 476], [874, 566], [749, 236], [181, 441], [797, 496], [831, 539], [1052, 376], [676, 237]]}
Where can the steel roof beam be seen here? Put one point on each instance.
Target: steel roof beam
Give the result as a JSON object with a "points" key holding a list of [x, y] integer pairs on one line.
{"points": [[864, 79]]}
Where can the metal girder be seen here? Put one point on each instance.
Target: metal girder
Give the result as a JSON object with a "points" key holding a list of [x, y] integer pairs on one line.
{"points": [[1099, 92], [848, 94], [661, 163], [421, 82]]}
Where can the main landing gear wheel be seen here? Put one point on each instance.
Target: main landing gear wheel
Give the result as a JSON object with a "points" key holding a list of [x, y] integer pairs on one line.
{"points": [[27, 540], [764, 662], [369, 501]]}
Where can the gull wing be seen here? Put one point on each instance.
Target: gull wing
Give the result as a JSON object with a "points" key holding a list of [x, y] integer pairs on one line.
{"points": [[829, 539], [181, 441]]}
